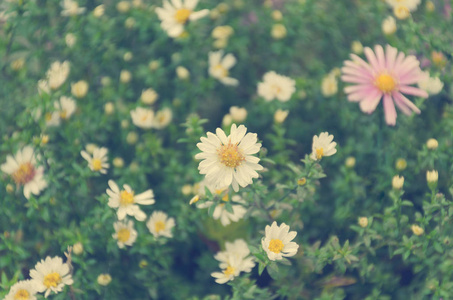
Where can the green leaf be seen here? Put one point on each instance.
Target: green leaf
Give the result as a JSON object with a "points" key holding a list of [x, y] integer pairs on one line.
{"points": [[229, 207], [273, 271], [211, 210]]}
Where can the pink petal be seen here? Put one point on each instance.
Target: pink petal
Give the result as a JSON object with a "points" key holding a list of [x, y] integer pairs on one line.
{"points": [[406, 102], [369, 104], [380, 56], [411, 90], [389, 110], [354, 79], [391, 53], [371, 58]]}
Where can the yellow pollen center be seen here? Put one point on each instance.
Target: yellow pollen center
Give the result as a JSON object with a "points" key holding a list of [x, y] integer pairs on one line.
{"points": [[126, 198], [123, 235], [159, 226], [182, 15], [276, 89], [319, 153], [220, 71], [52, 280], [385, 82], [229, 271], [276, 245], [225, 198], [97, 164], [230, 156], [24, 174], [22, 295]]}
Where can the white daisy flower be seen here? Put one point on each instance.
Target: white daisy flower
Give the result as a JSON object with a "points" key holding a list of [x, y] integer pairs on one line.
{"points": [[228, 160], [22, 290], [225, 216], [71, 8], [65, 107], [125, 234], [275, 86], [159, 224], [176, 14], [163, 118], [233, 260], [323, 146], [219, 67], [51, 275], [277, 241], [43, 87], [126, 201], [57, 74], [24, 171], [143, 117], [52, 119], [97, 162], [432, 85]]}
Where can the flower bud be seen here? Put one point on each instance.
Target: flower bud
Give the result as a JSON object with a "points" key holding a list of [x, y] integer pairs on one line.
{"points": [[278, 31], [350, 162], [397, 182], [125, 76], [79, 89], [118, 162], [77, 248], [182, 73], [280, 116], [417, 230], [149, 96], [432, 144], [363, 222], [104, 279]]}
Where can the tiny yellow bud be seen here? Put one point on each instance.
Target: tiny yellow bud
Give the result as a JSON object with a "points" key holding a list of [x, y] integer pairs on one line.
{"points": [[149, 96], [44, 139], [79, 89], [143, 264], [123, 6], [77, 248], [17, 64], [9, 188], [134, 167], [438, 59], [432, 176], [350, 162], [182, 73], [280, 116], [401, 12], [194, 199], [109, 108], [430, 6], [357, 47], [278, 31], [129, 23], [400, 164], [154, 65], [417, 230], [124, 124], [432, 144], [99, 11], [277, 15], [104, 279], [132, 138], [118, 162], [363, 222], [397, 182], [301, 181], [127, 56], [186, 189]]}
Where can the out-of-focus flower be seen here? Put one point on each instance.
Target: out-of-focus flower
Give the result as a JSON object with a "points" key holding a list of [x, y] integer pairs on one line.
{"points": [[97, 162], [417, 230], [65, 107], [277, 241], [397, 182], [389, 25], [363, 222], [43, 86], [129, 23], [323, 146], [238, 114], [51, 275], [432, 144], [143, 117], [125, 234], [132, 138], [219, 67], [401, 12], [432, 176], [128, 56], [329, 85], [400, 164], [104, 279], [176, 14], [77, 248], [221, 213], [159, 224], [350, 162], [149, 96], [278, 31], [357, 47], [410, 4], [276, 86], [432, 85], [125, 76], [24, 171], [229, 160], [123, 6], [109, 108], [387, 75], [234, 260], [79, 89], [162, 118], [99, 11], [57, 74], [439, 59], [126, 201], [17, 64], [70, 40], [222, 32], [22, 290], [280, 116], [227, 120], [277, 15], [118, 162], [182, 73], [71, 8]]}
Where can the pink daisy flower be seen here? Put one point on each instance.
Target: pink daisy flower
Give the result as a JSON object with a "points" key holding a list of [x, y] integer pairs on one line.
{"points": [[386, 75]]}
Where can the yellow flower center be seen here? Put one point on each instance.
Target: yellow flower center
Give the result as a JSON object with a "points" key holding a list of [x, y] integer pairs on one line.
{"points": [[24, 174], [276, 246], [63, 114], [97, 164], [126, 198], [182, 15], [276, 89], [123, 235], [230, 156], [319, 153], [52, 280], [220, 71], [22, 295], [385, 82], [229, 270], [159, 226]]}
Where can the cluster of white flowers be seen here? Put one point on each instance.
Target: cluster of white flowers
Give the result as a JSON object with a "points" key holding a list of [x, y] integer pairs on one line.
{"points": [[145, 118], [49, 275]]}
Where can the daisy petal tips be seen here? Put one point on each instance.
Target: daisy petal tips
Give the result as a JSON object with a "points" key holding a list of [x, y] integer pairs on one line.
{"points": [[229, 160], [387, 75]]}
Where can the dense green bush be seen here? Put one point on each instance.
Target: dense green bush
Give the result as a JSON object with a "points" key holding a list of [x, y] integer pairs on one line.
{"points": [[72, 75]]}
